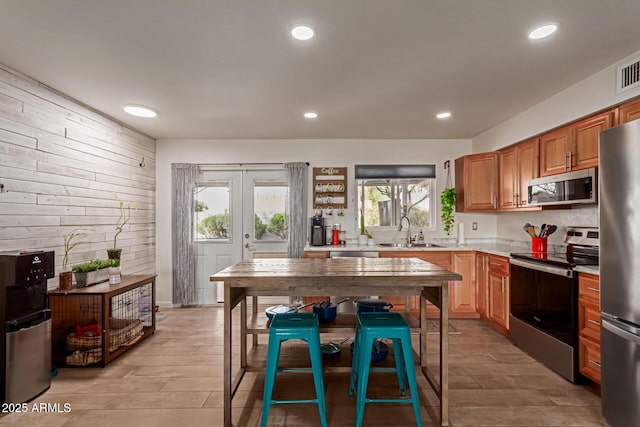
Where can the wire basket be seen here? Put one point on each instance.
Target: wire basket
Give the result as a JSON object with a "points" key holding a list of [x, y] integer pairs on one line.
{"points": [[122, 332]]}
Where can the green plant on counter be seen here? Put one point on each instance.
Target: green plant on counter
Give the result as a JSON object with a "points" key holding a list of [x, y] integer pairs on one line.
{"points": [[94, 265], [448, 200], [70, 243]]}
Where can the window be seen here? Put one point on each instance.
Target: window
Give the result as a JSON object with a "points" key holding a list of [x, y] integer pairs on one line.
{"points": [[269, 210], [386, 192], [212, 211]]}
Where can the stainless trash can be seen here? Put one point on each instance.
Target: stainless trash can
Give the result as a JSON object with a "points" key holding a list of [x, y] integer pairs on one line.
{"points": [[28, 364]]}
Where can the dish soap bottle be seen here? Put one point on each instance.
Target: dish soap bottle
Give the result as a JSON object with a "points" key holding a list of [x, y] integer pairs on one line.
{"points": [[420, 237]]}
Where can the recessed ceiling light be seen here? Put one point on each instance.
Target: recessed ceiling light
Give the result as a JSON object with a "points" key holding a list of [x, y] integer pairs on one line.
{"points": [[443, 115], [543, 31], [310, 115], [140, 111], [302, 32]]}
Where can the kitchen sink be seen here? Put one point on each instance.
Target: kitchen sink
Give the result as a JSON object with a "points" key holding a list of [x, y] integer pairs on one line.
{"points": [[409, 245]]}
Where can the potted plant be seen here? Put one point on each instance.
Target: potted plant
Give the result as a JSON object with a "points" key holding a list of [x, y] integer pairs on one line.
{"points": [[125, 216], [65, 279], [94, 271], [448, 200]]}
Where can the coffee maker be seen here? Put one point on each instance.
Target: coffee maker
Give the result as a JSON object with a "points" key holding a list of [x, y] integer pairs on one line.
{"points": [[318, 236]]}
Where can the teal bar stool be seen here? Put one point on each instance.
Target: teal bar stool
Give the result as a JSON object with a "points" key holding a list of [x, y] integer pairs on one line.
{"points": [[371, 326], [288, 326]]}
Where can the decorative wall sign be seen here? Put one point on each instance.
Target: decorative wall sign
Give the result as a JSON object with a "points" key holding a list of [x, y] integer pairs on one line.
{"points": [[330, 189]]}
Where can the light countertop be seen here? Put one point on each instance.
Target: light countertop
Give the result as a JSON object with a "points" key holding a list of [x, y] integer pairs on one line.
{"points": [[504, 249], [501, 249]]}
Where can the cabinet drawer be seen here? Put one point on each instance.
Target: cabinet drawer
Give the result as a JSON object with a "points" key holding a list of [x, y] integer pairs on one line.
{"points": [[589, 286], [589, 319], [499, 265], [441, 259], [316, 254], [590, 359]]}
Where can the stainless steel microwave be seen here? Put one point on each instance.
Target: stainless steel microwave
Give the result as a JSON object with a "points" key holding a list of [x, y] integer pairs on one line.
{"points": [[564, 189]]}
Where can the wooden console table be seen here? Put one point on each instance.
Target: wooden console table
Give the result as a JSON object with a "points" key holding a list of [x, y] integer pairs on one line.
{"points": [[129, 302]]}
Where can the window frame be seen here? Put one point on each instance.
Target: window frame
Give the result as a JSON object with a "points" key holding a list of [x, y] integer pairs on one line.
{"points": [[429, 181]]}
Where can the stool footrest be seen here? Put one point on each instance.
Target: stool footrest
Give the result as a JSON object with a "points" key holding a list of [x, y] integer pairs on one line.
{"points": [[297, 371], [407, 400], [383, 370], [280, 402]]}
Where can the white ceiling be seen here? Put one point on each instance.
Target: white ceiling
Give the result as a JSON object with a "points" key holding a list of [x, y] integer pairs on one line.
{"points": [[377, 68]]}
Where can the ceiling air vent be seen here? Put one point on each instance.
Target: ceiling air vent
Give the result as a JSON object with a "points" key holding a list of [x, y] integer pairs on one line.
{"points": [[628, 76]]}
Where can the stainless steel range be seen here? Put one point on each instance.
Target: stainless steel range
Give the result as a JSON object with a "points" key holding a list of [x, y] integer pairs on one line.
{"points": [[544, 301]]}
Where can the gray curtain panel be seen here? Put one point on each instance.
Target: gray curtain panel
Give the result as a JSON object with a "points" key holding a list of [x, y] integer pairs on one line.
{"points": [[183, 181], [297, 215]]}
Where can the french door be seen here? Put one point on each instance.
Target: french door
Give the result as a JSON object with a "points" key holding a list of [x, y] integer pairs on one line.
{"points": [[239, 214]]}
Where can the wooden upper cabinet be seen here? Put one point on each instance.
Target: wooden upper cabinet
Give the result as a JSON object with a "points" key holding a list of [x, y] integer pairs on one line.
{"points": [[477, 182], [508, 177], [629, 111], [586, 134], [518, 164], [528, 167], [574, 146], [554, 151]]}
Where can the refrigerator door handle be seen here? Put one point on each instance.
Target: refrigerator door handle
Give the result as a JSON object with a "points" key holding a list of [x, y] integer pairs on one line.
{"points": [[621, 330]]}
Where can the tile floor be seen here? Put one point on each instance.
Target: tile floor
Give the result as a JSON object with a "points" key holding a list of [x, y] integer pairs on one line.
{"points": [[174, 378]]}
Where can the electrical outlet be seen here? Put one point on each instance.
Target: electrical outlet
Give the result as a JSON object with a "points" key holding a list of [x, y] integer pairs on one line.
{"points": [[474, 225]]}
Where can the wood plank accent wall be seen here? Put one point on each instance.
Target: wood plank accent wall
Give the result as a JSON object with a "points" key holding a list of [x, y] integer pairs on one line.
{"points": [[65, 167]]}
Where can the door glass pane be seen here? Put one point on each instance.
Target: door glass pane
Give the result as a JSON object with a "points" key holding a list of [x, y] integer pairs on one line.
{"points": [[269, 211], [212, 211]]}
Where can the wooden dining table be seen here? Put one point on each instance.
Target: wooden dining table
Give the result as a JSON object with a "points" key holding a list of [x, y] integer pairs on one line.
{"points": [[336, 277]]}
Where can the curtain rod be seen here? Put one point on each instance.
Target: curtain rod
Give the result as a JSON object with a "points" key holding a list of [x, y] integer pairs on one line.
{"points": [[227, 166]]}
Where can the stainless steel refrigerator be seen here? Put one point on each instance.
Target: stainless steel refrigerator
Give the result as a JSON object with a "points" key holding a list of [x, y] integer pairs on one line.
{"points": [[619, 175]]}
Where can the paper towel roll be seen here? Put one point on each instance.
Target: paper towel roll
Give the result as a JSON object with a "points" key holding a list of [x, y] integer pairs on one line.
{"points": [[461, 233]]}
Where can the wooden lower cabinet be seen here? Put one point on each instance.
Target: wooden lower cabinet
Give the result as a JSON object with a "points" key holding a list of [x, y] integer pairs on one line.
{"points": [[439, 258], [498, 289], [482, 284], [462, 294], [589, 326], [589, 359]]}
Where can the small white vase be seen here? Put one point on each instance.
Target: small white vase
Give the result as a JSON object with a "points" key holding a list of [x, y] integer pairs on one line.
{"points": [[115, 276]]}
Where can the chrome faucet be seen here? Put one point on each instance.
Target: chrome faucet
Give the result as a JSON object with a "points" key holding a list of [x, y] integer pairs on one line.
{"points": [[405, 216]]}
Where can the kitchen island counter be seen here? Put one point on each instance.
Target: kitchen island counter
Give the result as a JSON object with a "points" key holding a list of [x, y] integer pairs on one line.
{"points": [[338, 276]]}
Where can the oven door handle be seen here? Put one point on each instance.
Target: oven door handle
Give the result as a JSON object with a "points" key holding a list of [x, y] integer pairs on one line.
{"points": [[558, 271]]}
